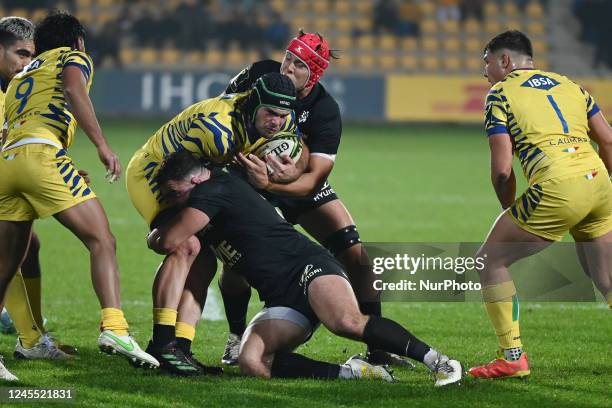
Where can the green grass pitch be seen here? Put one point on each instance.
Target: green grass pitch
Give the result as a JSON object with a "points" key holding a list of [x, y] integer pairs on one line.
{"points": [[402, 184]]}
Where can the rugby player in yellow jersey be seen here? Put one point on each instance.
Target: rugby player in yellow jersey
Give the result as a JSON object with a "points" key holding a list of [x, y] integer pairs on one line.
{"points": [[214, 130], [43, 104], [548, 121], [23, 296]]}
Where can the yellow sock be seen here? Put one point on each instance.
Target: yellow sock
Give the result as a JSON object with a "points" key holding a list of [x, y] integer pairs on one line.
{"points": [[33, 286], [18, 305], [164, 316], [502, 307], [113, 319], [184, 330]]}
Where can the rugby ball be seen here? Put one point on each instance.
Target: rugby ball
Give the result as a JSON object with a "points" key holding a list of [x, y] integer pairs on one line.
{"points": [[281, 144]]}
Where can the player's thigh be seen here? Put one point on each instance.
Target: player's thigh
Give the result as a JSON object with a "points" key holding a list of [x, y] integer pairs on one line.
{"points": [[271, 330], [142, 186], [595, 254], [323, 221], [508, 242], [598, 222], [88, 221]]}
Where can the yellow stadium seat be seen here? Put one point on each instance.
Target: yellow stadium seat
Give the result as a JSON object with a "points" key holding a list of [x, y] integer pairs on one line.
{"points": [[83, 3], [40, 13], [214, 57], [510, 9], [452, 44], [343, 6], [321, 24], [366, 60], [104, 16], [235, 57], [343, 24], [450, 26], [299, 22], [539, 46], [106, 3], [345, 63], [365, 42], [387, 61], [543, 64], [364, 24], [429, 26], [428, 8], [408, 44], [472, 26], [536, 28], [474, 65], [278, 55], [452, 64], [534, 10], [513, 24], [473, 45], [343, 42], [127, 55], [430, 44], [85, 17], [408, 62], [387, 42], [491, 10], [21, 12], [364, 7], [148, 56], [278, 5], [430, 63], [320, 6], [492, 27], [170, 56]]}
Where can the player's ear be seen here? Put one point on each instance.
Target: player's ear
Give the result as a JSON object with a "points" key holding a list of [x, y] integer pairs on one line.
{"points": [[505, 61]]}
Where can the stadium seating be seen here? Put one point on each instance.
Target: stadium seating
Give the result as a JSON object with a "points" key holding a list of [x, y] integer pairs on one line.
{"points": [[435, 46]]}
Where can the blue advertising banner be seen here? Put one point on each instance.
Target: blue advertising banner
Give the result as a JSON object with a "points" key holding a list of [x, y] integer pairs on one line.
{"points": [[142, 93]]}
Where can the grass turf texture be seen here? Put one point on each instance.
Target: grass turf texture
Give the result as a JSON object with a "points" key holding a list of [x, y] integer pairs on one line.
{"points": [[408, 184]]}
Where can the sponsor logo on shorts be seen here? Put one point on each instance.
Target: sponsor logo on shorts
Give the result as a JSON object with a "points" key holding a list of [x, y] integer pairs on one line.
{"points": [[326, 191], [309, 272], [226, 253]]}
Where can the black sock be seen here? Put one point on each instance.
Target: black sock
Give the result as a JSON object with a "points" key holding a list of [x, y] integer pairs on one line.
{"points": [[370, 308], [184, 344], [163, 334], [236, 310], [292, 365], [384, 334]]}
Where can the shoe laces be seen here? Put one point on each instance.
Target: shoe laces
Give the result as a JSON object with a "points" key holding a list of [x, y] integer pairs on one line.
{"points": [[232, 348]]}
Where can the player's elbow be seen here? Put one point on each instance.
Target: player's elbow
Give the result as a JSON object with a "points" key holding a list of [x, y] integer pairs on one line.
{"points": [[500, 176]]}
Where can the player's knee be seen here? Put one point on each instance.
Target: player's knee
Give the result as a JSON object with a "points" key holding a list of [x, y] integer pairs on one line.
{"points": [[190, 248], [101, 242], [348, 325], [343, 239], [251, 364]]}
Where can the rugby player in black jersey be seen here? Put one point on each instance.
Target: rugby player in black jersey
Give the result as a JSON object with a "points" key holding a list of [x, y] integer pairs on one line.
{"points": [[300, 282], [308, 199]]}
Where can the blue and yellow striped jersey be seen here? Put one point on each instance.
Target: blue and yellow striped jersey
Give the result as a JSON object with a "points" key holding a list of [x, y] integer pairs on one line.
{"points": [[213, 129], [35, 103], [546, 116]]}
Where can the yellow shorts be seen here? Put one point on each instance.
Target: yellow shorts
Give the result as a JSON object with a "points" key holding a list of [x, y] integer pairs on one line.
{"points": [[38, 180], [579, 204], [141, 181]]}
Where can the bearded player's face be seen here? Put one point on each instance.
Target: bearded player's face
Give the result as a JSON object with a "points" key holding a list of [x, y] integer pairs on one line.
{"points": [[269, 121]]}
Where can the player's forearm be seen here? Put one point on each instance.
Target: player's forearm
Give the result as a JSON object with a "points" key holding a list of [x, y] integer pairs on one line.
{"points": [[305, 186], [605, 153], [505, 188]]}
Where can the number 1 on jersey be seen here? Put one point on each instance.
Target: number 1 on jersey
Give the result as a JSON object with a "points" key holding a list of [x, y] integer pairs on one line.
{"points": [[23, 94], [559, 114]]}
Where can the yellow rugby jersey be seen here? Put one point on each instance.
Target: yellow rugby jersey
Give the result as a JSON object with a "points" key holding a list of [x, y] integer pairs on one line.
{"points": [[35, 103], [546, 116], [213, 129]]}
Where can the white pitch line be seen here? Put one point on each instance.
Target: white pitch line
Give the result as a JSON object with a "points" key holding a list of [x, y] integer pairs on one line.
{"points": [[212, 309]]}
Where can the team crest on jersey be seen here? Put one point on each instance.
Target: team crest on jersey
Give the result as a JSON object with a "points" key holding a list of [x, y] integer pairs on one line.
{"points": [[540, 81], [303, 117]]}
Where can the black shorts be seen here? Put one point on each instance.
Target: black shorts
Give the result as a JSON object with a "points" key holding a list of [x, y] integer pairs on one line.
{"points": [[292, 208], [296, 294]]}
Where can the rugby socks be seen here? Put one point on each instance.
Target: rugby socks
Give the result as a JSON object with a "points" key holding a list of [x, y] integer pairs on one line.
{"points": [[164, 322], [33, 287], [17, 303], [383, 334], [185, 333], [236, 310], [113, 319], [292, 365], [502, 307], [370, 308]]}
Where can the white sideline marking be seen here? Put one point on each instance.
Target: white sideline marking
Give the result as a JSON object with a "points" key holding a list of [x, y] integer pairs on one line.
{"points": [[212, 308]]}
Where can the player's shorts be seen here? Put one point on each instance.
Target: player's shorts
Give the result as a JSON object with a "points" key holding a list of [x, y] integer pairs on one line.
{"points": [[292, 207], [141, 181], [580, 204], [284, 313], [296, 294], [38, 180]]}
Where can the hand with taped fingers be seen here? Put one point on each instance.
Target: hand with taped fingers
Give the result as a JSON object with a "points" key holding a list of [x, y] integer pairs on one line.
{"points": [[111, 162], [284, 169], [257, 170]]}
